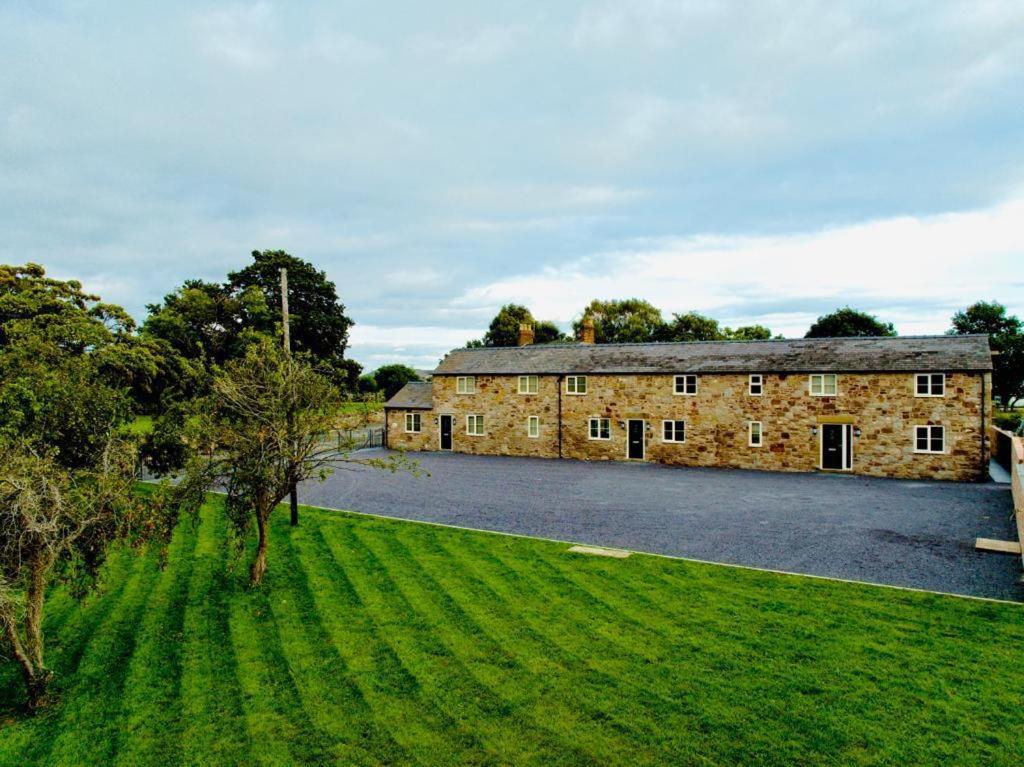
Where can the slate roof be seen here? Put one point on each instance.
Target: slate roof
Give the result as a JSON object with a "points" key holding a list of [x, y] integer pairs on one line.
{"points": [[416, 395], [800, 355]]}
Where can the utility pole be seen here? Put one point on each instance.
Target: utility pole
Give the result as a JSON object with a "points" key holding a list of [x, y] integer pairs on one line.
{"points": [[293, 494]]}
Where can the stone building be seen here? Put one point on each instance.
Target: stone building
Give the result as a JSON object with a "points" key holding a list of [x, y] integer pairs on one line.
{"points": [[915, 407]]}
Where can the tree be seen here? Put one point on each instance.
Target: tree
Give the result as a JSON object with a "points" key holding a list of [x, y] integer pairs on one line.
{"points": [[205, 321], [318, 323], [749, 333], [691, 327], [391, 378], [1006, 336], [67, 468], [270, 416], [847, 322], [213, 322], [504, 328], [68, 364], [631, 320]]}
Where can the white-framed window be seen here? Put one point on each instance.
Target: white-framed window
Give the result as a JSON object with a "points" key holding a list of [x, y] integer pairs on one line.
{"points": [[673, 431], [465, 385], [600, 428], [413, 423], [575, 384], [755, 434], [533, 426], [824, 384], [528, 384], [686, 384], [929, 439], [475, 425], [755, 387], [930, 385]]}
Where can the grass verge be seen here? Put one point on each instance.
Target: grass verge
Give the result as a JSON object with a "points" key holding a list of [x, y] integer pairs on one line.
{"points": [[380, 641]]}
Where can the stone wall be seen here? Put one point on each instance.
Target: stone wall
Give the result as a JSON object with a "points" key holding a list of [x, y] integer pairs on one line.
{"points": [[398, 439], [505, 413], [882, 406]]}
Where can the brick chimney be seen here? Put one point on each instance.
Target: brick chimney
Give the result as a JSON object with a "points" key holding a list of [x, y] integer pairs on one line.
{"points": [[587, 330], [525, 334]]}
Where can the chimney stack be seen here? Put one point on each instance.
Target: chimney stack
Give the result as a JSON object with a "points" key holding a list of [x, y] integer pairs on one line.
{"points": [[525, 334], [587, 330]]}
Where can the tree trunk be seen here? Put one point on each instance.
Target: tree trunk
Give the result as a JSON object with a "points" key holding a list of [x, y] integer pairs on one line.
{"points": [[259, 564], [29, 654], [37, 677], [34, 595]]}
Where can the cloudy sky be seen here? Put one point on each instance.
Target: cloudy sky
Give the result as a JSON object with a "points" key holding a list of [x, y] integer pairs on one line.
{"points": [[760, 162]]}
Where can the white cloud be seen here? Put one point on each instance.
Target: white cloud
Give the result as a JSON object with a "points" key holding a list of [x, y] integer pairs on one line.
{"points": [[916, 268], [338, 47], [238, 34]]}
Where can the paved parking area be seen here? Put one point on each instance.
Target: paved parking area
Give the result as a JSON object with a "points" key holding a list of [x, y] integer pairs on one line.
{"points": [[898, 532]]}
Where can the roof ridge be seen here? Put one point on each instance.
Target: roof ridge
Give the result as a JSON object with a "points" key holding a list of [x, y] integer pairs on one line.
{"points": [[578, 344]]}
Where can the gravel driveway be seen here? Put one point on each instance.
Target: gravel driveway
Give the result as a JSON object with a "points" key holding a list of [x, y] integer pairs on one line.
{"points": [[898, 532]]}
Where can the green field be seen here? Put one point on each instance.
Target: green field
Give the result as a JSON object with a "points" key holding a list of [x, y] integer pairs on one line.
{"points": [[378, 641]]}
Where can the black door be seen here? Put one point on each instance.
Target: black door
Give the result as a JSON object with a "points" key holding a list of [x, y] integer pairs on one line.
{"points": [[636, 439], [446, 432], [832, 446]]}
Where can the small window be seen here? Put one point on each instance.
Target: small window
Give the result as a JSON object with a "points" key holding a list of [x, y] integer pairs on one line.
{"points": [[533, 426], [929, 439], [824, 384], [575, 384], [686, 384], [755, 434], [673, 431], [465, 384], [412, 423], [475, 425], [528, 384], [756, 385], [600, 428], [930, 385]]}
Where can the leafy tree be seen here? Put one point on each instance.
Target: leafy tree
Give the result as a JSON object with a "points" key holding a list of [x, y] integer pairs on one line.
{"points": [[749, 333], [318, 323], [1006, 336], [67, 364], [631, 320], [691, 327], [504, 328], [547, 332], [206, 321], [847, 322], [213, 323], [270, 416], [368, 384], [391, 378]]}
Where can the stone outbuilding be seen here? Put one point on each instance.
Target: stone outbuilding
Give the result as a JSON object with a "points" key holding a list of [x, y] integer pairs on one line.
{"points": [[910, 406]]}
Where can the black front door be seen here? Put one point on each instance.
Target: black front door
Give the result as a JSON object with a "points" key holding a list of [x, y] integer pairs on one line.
{"points": [[446, 432], [636, 440], [832, 446]]}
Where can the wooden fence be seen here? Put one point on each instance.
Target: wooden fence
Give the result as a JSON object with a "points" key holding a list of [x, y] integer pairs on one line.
{"points": [[1011, 449]]}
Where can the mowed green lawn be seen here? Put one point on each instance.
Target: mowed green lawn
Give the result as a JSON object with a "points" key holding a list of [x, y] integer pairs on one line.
{"points": [[378, 641]]}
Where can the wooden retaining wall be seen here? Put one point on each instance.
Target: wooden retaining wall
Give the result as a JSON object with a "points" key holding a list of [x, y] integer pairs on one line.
{"points": [[1015, 453]]}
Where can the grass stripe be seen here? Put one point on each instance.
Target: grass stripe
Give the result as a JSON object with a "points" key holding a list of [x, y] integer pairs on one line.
{"points": [[276, 718], [527, 661], [473, 669], [152, 721], [600, 680], [214, 725], [330, 697], [391, 690], [96, 702]]}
